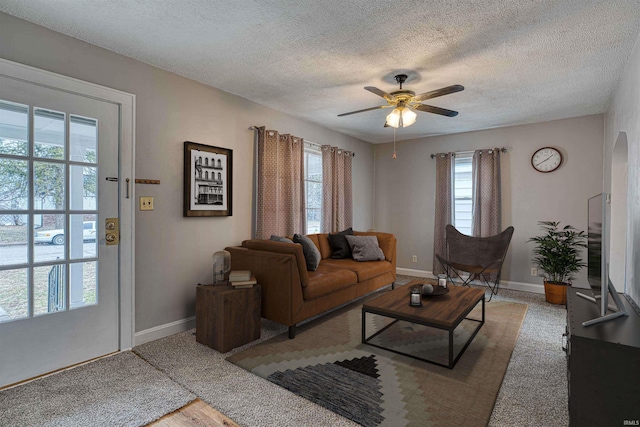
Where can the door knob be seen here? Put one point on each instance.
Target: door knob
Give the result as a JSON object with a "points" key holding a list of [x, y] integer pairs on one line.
{"points": [[112, 236]]}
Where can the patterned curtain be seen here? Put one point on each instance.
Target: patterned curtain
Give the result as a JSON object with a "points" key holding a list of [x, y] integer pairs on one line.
{"points": [[444, 207], [337, 200], [487, 200], [280, 173]]}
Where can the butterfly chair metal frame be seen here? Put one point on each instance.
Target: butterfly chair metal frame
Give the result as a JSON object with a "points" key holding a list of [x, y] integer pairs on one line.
{"points": [[480, 257]]}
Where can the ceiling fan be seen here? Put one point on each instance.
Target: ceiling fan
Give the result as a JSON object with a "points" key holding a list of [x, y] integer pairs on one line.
{"points": [[405, 101]]}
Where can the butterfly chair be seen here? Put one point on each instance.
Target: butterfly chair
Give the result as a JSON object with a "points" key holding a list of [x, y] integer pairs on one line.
{"points": [[480, 257]]}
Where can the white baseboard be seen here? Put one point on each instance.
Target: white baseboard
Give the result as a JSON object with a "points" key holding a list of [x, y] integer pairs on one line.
{"points": [[165, 330], [521, 286], [415, 273], [505, 284]]}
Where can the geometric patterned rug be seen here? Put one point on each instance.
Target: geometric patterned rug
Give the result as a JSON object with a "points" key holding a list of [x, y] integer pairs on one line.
{"points": [[327, 364]]}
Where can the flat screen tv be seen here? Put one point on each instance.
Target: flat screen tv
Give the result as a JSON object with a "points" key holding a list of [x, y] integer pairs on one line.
{"points": [[597, 267], [596, 262]]}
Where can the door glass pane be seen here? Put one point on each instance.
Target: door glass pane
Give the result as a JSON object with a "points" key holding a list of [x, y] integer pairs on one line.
{"points": [[13, 239], [83, 236], [83, 187], [48, 133], [14, 128], [48, 199], [84, 284], [49, 239], [14, 184], [83, 139], [49, 287], [14, 294], [48, 183]]}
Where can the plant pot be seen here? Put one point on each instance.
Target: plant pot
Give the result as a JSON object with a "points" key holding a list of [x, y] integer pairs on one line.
{"points": [[555, 292]]}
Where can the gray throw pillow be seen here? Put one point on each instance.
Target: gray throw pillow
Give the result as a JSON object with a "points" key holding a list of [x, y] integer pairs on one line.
{"points": [[280, 239], [365, 248], [311, 253]]}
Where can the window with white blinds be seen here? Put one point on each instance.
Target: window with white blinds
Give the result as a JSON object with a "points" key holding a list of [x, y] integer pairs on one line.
{"points": [[313, 190], [463, 193]]}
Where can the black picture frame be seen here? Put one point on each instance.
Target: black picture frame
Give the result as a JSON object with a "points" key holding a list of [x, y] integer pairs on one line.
{"points": [[208, 172]]}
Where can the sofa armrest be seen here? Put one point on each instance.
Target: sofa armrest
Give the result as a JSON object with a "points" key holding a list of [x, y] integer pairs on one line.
{"points": [[278, 275], [294, 249]]}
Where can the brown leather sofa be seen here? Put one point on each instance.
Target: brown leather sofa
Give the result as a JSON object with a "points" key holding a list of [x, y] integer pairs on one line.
{"points": [[291, 294]]}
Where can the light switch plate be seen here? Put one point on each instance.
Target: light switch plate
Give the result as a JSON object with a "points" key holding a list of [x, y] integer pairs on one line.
{"points": [[146, 203]]}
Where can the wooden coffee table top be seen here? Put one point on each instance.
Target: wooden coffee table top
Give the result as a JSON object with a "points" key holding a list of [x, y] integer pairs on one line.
{"points": [[444, 311]]}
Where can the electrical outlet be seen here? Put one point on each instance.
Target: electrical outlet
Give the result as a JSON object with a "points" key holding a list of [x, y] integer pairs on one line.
{"points": [[146, 203], [414, 258], [534, 271]]}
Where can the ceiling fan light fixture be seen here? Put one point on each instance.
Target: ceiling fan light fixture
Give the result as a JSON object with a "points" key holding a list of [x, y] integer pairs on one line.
{"points": [[401, 117], [393, 118], [408, 117]]}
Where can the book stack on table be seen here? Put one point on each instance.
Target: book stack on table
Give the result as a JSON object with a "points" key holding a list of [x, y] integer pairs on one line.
{"points": [[242, 279]]}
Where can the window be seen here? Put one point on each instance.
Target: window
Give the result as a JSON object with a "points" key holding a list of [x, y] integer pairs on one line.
{"points": [[463, 193], [313, 190]]}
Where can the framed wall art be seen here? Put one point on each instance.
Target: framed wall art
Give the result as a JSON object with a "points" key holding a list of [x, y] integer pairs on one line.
{"points": [[207, 180]]}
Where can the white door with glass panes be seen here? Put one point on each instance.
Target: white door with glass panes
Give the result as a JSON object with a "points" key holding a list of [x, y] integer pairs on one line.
{"points": [[59, 280]]}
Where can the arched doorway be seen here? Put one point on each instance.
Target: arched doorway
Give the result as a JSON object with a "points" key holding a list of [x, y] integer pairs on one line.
{"points": [[619, 206]]}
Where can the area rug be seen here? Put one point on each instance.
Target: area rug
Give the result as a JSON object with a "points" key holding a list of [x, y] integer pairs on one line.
{"points": [[120, 390], [327, 364]]}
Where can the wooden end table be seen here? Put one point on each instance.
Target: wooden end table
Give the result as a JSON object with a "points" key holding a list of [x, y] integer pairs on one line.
{"points": [[444, 312], [226, 317]]}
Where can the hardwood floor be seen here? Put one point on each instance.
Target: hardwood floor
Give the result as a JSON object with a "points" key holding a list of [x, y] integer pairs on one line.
{"points": [[195, 414]]}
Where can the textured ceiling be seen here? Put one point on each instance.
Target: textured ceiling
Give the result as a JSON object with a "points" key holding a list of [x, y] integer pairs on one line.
{"points": [[521, 61]]}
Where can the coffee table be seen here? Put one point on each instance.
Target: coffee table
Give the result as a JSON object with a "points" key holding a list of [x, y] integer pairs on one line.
{"points": [[444, 312]]}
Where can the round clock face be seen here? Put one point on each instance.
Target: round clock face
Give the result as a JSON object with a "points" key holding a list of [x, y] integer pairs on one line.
{"points": [[546, 159]]}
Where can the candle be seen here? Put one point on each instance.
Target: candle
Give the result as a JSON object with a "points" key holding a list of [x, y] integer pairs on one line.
{"points": [[415, 298], [442, 280]]}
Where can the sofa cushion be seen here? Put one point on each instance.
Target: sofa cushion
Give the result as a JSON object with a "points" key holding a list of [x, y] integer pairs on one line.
{"points": [[364, 270], [323, 244], [339, 246], [365, 248], [326, 280], [310, 250]]}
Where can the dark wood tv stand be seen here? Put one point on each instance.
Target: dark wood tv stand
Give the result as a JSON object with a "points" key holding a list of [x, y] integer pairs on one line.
{"points": [[603, 365]]}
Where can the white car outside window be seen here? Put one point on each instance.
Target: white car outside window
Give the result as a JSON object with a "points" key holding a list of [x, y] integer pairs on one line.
{"points": [[56, 236]]}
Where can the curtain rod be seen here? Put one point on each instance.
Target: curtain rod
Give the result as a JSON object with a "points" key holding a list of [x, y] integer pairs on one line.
{"points": [[311, 143], [502, 150]]}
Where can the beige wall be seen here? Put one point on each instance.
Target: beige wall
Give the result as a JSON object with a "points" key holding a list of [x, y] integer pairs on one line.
{"points": [[623, 120], [405, 187], [173, 253]]}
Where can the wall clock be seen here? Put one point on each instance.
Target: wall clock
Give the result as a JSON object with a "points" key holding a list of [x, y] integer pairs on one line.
{"points": [[546, 159]]}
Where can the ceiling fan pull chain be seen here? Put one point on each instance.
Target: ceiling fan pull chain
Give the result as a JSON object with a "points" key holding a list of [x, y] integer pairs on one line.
{"points": [[394, 143]]}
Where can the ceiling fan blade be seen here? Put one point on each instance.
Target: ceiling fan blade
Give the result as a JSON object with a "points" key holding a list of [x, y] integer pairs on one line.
{"points": [[366, 109], [438, 92], [434, 110], [381, 93]]}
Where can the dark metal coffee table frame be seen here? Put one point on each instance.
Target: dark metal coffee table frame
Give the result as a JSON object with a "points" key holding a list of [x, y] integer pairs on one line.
{"points": [[399, 317]]}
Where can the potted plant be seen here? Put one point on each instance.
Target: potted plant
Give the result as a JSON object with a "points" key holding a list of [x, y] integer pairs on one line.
{"points": [[557, 254]]}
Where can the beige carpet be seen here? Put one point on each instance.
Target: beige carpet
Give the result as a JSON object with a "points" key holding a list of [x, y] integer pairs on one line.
{"points": [[327, 364], [118, 390]]}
